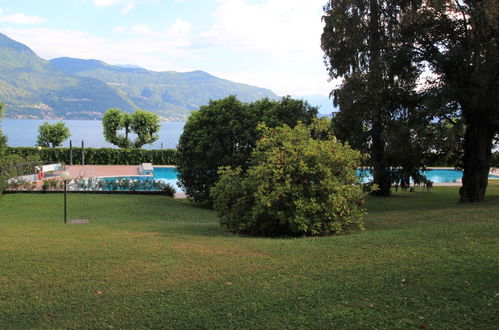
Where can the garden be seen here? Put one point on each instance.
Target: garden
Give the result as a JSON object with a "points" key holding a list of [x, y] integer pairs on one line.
{"points": [[278, 230], [423, 261]]}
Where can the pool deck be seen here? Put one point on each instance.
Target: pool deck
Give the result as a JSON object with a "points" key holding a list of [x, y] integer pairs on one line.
{"points": [[93, 171], [88, 171]]}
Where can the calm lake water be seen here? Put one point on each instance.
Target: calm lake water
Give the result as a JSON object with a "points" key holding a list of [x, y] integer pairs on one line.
{"points": [[23, 133]]}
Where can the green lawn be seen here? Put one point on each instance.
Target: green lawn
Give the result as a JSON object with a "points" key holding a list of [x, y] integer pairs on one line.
{"points": [[154, 262]]}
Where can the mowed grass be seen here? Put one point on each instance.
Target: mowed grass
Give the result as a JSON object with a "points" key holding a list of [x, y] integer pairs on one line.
{"points": [[154, 262]]}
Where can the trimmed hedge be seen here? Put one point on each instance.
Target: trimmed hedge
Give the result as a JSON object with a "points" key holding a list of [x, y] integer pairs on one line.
{"points": [[98, 156]]}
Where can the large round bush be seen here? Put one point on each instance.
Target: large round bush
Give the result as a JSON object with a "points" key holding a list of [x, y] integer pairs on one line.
{"points": [[224, 133], [296, 185]]}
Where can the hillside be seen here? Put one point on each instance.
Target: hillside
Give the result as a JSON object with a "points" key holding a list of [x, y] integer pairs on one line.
{"points": [[68, 88], [31, 87], [166, 93]]}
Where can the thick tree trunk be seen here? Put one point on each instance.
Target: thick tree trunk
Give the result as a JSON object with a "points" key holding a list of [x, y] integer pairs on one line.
{"points": [[381, 176], [477, 155]]}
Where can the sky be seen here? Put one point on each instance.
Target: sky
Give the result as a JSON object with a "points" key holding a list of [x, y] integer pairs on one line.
{"points": [[273, 44]]}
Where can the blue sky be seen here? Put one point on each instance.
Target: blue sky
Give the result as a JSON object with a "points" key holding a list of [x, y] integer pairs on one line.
{"points": [[268, 43]]}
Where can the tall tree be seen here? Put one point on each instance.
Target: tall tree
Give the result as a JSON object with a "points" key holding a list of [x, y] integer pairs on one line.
{"points": [[52, 135], [224, 133], [363, 46], [459, 39], [119, 125]]}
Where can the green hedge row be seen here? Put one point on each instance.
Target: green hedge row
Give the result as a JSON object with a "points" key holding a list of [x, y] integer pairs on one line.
{"points": [[98, 156]]}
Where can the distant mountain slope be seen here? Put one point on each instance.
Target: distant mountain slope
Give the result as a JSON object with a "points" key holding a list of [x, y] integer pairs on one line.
{"points": [[69, 88], [31, 87], [167, 93]]}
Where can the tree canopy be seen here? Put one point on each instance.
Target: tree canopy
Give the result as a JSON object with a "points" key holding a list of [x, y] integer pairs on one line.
{"points": [[52, 135], [395, 55], [295, 185], [223, 133], [362, 45], [458, 40], [118, 127]]}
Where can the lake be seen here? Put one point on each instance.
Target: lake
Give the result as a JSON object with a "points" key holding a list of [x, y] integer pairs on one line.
{"points": [[23, 133]]}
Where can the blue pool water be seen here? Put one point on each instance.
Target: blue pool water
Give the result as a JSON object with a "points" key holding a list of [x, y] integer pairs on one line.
{"points": [[438, 176], [162, 174], [169, 175]]}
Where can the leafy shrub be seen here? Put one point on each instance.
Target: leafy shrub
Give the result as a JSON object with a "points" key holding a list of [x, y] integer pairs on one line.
{"points": [[121, 184], [97, 156], [20, 184], [223, 133], [13, 166], [167, 188], [295, 185]]}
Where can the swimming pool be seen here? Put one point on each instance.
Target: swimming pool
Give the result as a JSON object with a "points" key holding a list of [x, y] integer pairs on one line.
{"points": [[437, 176], [161, 174], [169, 175]]}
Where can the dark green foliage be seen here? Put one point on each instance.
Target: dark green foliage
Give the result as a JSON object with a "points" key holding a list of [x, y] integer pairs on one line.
{"points": [[219, 134], [363, 45], [98, 156], [52, 135], [143, 123], [495, 160], [224, 133], [457, 40], [296, 185]]}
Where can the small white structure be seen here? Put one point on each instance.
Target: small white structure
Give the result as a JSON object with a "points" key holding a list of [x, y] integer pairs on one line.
{"points": [[146, 169]]}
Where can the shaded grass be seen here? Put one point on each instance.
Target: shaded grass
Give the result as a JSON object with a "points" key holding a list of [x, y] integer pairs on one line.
{"points": [[424, 260]]}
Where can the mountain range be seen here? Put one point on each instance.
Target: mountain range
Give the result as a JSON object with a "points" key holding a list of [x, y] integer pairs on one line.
{"points": [[71, 88]]}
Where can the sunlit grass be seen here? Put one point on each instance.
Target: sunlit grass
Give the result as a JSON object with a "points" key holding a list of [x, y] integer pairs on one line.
{"points": [[154, 262]]}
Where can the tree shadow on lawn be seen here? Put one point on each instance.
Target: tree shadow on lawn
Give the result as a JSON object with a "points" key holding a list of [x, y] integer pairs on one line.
{"points": [[440, 198]]}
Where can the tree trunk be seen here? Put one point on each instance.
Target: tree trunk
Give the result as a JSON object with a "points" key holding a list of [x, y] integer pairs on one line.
{"points": [[477, 155], [381, 177]]}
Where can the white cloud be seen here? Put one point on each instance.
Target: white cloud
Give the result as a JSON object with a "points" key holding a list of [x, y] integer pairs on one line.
{"points": [[276, 26], [180, 29], [284, 32], [119, 29], [155, 53], [273, 44], [125, 10], [21, 18], [282, 82], [143, 30], [102, 3]]}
